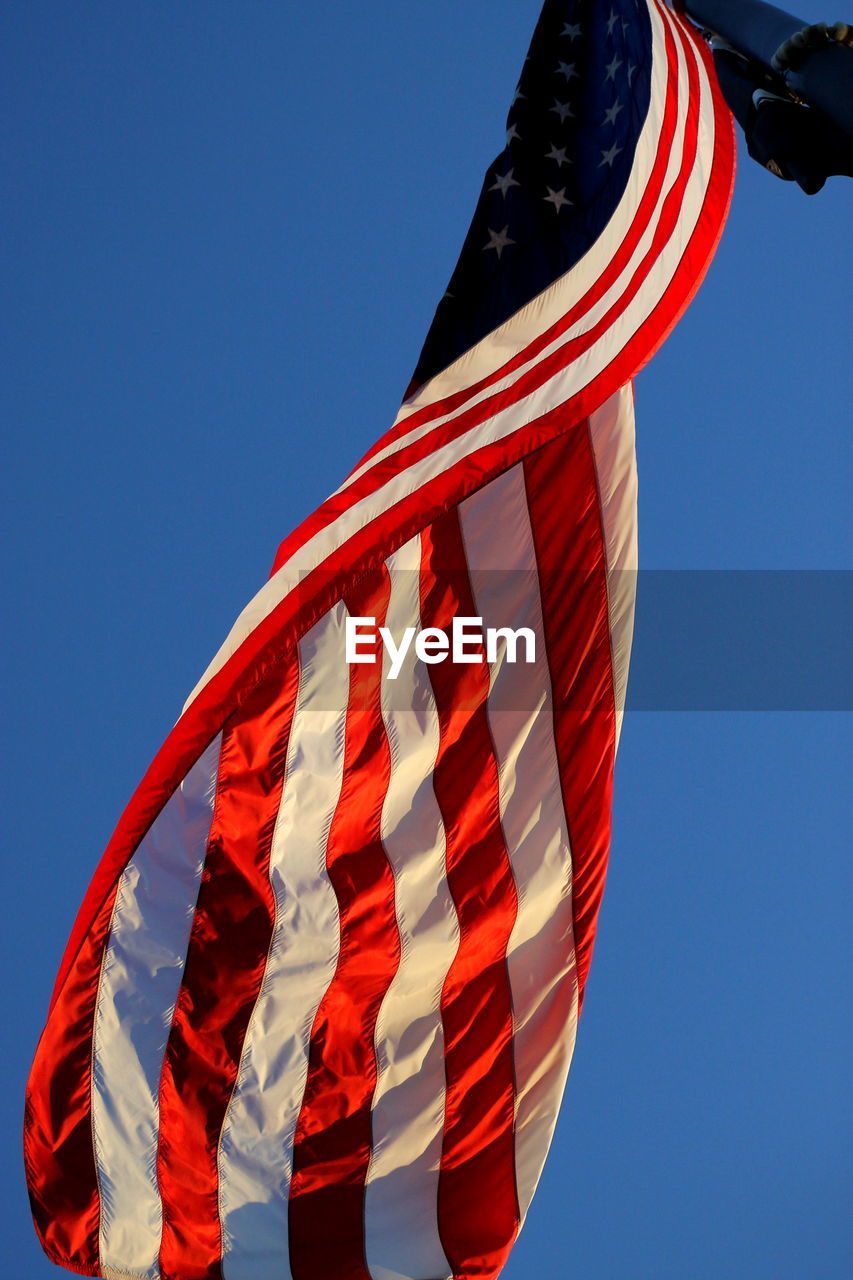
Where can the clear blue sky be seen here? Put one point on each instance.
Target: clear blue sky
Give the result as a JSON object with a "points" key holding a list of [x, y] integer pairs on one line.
{"points": [[225, 230]]}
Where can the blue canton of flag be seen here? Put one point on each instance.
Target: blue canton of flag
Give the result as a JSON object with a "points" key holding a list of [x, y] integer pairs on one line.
{"points": [[572, 132]]}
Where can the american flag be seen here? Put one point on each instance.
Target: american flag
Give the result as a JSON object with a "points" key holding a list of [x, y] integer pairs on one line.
{"points": [[317, 1011]]}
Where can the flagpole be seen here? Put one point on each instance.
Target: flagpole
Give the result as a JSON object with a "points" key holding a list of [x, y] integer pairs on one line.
{"points": [[815, 63], [789, 85]]}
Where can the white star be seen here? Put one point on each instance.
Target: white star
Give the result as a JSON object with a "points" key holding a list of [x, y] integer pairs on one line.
{"points": [[611, 21], [607, 157], [512, 134], [626, 27], [613, 67], [498, 240], [503, 184], [558, 155], [519, 96], [571, 32], [567, 69], [563, 110], [557, 198], [611, 114], [631, 69]]}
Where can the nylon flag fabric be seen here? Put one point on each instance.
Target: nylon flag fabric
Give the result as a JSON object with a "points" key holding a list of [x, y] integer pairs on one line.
{"points": [[316, 1014]]}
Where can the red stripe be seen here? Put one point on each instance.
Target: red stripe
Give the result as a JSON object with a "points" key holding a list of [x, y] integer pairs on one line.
{"points": [[58, 1147], [333, 1136], [565, 518], [226, 958], [718, 194], [376, 476], [478, 1213]]}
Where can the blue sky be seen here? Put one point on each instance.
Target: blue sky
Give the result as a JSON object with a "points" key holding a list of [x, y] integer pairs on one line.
{"points": [[226, 229]]}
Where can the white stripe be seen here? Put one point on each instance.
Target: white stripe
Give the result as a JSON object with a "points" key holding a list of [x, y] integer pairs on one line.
{"points": [[611, 430], [401, 1209], [256, 1149], [140, 978], [551, 395], [541, 952]]}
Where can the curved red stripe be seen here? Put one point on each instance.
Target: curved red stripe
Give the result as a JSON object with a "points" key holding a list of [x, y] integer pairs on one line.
{"points": [[478, 1213], [337, 503], [533, 378], [226, 958], [58, 1147], [332, 1146], [718, 195]]}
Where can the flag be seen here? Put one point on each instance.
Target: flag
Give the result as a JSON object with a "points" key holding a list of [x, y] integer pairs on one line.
{"points": [[316, 1013]]}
